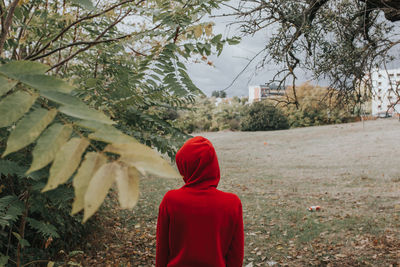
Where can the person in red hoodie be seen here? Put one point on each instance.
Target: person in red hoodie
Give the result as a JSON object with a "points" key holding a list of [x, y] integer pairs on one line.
{"points": [[199, 225]]}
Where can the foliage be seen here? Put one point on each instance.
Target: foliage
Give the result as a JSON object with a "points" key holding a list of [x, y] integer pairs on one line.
{"points": [[208, 115], [263, 116], [316, 107], [221, 94], [32, 222], [337, 41], [126, 76]]}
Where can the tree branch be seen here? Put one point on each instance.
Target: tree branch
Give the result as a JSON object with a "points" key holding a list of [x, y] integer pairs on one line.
{"points": [[6, 25], [92, 43], [63, 31]]}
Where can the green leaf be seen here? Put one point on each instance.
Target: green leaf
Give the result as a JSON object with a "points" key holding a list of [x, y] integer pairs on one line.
{"points": [[143, 158], [28, 129], [62, 98], [105, 133], [216, 39], [86, 4], [11, 167], [85, 113], [43, 82], [74, 107], [3, 260], [24, 243], [99, 186], [112, 136], [14, 106], [48, 144], [43, 228], [15, 69], [92, 162], [65, 162], [233, 41], [6, 85]]}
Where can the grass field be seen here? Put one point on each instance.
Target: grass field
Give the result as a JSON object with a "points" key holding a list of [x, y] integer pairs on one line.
{"points": [[351, 170]]}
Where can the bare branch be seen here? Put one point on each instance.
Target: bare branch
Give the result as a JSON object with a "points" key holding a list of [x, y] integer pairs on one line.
{"points": [[63, 31], [92, 43]]}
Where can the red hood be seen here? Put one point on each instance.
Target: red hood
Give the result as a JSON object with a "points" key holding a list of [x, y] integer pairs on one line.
{"points": [[198, 163]]}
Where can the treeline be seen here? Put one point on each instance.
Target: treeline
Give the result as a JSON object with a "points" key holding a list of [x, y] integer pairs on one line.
{"points": [[315, 107]]}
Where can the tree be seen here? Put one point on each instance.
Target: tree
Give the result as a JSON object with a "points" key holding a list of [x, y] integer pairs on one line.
{"points": [[80, 85], [339, 41], [215, 93], [221, 93], [263, 116]]}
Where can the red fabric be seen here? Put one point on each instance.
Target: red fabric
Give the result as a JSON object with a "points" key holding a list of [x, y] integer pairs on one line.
{"points": [[199, 225]]}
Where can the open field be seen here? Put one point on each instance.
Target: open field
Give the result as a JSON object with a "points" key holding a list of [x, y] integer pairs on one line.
{"points": [[351, 170]]}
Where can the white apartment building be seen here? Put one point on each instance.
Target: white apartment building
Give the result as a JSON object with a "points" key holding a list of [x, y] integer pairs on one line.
{"points": [[259, 92], [385, 92]]}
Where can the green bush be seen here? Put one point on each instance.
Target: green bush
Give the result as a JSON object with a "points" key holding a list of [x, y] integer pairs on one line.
{"points": [[262, 116], [205, 115], [35, 225]]}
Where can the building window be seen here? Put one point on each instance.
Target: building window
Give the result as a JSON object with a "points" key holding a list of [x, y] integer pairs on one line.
{"points": [[380, 90], [379, 98], [390, 97], [391, 75], [379, 83], [379, 106], [389, 106], [379, 75], [398, 74]]}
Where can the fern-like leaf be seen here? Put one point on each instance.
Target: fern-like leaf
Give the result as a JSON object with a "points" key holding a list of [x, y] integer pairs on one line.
{"points": [[45, 229]]}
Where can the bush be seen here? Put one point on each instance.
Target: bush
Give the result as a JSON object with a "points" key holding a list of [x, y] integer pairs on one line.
{"points": [[262, 116], [316, 107], [205, 115], [35, 225]]}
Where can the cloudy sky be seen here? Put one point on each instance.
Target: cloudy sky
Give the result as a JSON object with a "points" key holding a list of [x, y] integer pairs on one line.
{"points": [[232, 61]]}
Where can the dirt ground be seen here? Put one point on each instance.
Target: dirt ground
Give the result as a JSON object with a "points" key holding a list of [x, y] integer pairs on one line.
{"points": [[351, 170]]}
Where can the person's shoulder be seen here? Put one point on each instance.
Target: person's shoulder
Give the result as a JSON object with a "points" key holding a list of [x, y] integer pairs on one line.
{"points": [[168, 198], [230, 197], [171, 194]]}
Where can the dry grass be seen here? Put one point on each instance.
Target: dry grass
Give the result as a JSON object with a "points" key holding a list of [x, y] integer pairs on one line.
{"points": [[351, 170]]}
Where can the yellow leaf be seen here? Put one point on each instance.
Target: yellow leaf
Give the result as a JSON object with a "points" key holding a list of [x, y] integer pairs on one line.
{"points": [[28, 129], [22, 2], [128, 188], [48, 144], [198, 31], [208, 29], [14, 106], [66, 162], [92, 162], [99, 186], [50, 264], [143, 158]]}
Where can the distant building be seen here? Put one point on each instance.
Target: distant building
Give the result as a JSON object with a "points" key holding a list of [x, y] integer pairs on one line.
{"points": [[385, 92], [259, 92]]}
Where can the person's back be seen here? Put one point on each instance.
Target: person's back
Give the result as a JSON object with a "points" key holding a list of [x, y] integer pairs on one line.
{"points": [[199, 225]]}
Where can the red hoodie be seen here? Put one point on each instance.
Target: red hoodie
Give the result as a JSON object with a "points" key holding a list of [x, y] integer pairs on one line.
{"points": [[199, 225]]}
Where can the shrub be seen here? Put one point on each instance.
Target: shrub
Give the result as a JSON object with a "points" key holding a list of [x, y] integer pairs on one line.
{"points": [[206, 115], [317, 106], [262, 116]]}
